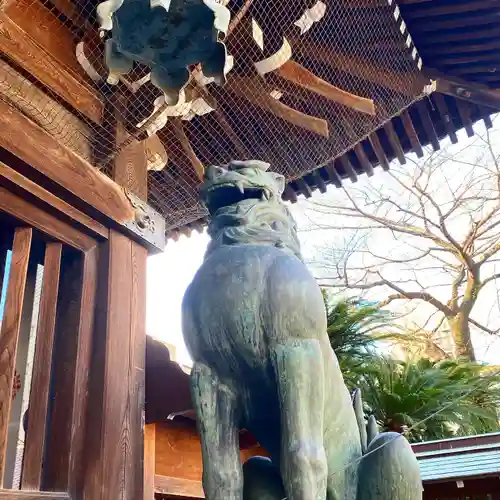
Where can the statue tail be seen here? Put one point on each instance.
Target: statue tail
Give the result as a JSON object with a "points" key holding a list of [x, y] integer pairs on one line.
{"points": [[388, 469]]}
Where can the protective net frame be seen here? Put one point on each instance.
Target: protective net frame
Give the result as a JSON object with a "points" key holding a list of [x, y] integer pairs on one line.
{"points": [[359, 46]]}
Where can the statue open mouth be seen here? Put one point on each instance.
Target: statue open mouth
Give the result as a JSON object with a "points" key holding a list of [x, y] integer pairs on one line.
{"points": [[225, 195]]}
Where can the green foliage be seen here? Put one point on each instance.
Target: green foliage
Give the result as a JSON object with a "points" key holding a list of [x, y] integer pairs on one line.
{"points": [[434, 399]]}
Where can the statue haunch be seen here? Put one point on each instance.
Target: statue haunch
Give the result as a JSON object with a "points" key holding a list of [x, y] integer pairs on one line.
{"points": [[254, 322]]}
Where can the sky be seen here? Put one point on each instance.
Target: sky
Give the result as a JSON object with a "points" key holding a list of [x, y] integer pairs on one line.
{"points": [[170, 273]]}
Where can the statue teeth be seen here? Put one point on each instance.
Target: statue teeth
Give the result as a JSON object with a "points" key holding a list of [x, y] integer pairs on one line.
{"points": [[240, 187]]}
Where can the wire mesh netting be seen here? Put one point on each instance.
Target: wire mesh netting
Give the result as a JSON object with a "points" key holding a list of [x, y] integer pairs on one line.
{"points": [[279, 103]]}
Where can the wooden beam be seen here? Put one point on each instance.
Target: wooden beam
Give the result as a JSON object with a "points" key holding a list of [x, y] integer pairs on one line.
{"points": [[363, 159], [445, 116], [45, 111], [430, 131], [298, 75], [32, 189], [318, 180], [452, 49], [180, 134], [27, 53], [379, 151], [474, 69], [462, 89], [394, 142], [333, 175], [39, 400], [482, 19], [458, 36], [32, 495], [290, 194], [17, 206], [454, 8], [304, 188], [9, 337], [121, 457], [356, 66], [348, 168], [251, 90], [35, 147], [450, 60], [411, 133], [486, 117], [465, 115]]}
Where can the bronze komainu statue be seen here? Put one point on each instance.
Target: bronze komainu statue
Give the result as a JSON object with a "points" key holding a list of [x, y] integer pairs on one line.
{"points": [[254, 322]]}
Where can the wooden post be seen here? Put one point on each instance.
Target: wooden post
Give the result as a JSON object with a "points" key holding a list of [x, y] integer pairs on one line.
{"points": [[116, 443], [9, 337], [149, 461]]}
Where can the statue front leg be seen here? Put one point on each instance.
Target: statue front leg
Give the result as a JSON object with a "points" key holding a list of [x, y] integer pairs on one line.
{"points": [[216, 408], [298, 366]]}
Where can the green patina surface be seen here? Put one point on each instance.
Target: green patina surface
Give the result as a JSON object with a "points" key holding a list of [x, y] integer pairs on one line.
{"points": [[255, 324]]}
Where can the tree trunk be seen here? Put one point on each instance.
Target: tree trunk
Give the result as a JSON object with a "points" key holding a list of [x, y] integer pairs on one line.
{"points": [[460, 332]]}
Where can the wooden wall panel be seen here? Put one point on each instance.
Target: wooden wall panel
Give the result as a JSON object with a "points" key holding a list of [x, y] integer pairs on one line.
{"points": [[35, 440], [10, 331]]}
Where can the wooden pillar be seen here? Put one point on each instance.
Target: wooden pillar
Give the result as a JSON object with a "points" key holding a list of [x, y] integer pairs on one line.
{"points": [[116, 458]]}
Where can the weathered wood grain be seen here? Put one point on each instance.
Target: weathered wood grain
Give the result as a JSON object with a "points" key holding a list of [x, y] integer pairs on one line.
{"points": [[10, 331], [34, 189], [45, 222], [21, 48], [35, 441], [412, 134], [297, 74], [54, 118], [32, 495], [38, 149]]}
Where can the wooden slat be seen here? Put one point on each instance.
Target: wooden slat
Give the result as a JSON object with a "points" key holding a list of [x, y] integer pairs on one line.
{"points": [[303, 187], [363, 159], [45, 222], [454, 8], [465, 115], [411, 133], [298, 75], [87, 306], [333, 175], [379, 151], [119, 463], [486, 117], [445, 116], [16, 44], [32, 495], [290, 194], [9, 336], [35, 147], [430, 131], [348, 168], [48, 198], [356, 66], [394, 142], [64, 461], [318, 180], [484, 19], [178, 487], [149, 461], [35, 441]]}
